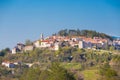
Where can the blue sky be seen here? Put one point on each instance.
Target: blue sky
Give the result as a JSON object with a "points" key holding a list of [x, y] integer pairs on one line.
{"points": [[26, 19]]}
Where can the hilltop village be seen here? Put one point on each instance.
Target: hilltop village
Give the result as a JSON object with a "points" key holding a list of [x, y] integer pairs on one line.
{"points": [[76, 54], [55, 42]]}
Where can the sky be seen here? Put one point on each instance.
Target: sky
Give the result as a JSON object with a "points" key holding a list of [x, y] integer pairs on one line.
{"points": [[21, 20]]}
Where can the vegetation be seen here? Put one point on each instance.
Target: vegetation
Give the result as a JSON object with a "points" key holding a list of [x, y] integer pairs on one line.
{"points": [[28, 42], [107, 73], [4, 51], [55, 72], [90, 74], [86, 33], [68, 63]]}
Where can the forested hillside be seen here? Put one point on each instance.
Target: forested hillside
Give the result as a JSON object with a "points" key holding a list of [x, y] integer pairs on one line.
{"points": [[65, 64], [86, 33]]}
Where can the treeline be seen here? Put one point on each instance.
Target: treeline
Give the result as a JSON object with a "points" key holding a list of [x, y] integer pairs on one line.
{"points": [[86, 33]]}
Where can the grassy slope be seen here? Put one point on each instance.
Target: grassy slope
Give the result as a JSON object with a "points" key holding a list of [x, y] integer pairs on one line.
{"points": [[71, 65], [90, 74]]}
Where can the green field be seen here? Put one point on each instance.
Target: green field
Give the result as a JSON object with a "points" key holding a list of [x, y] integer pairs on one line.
{"points": [[90, 74], [71, 65]]}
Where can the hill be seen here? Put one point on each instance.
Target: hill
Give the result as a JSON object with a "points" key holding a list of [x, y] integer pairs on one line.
{"points": [[86, 33]]}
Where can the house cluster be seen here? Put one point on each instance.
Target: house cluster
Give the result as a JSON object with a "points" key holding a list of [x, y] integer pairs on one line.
{"points": [[116, 44], [55, 42], [81, 42], [41, 43], [10, 64], [21, 47]]}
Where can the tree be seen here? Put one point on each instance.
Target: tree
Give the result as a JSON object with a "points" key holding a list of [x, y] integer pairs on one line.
{"points": [[28, 42], [57, 72], [44, 75], [31, 74], [63, 32], [107, 72], [4, 51], [112, 48]]}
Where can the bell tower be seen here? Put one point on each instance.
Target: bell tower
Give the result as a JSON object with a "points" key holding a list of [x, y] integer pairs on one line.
{"points": [[41, 37]]}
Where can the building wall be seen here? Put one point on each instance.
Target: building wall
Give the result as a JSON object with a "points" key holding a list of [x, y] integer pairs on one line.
{"points": [[56, 46], [81, 44], [37, 44], [28, 48], [14, 51], [45, 44]]}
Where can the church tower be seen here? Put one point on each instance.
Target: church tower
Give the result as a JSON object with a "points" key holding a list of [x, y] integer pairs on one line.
{"points": [[41, 37]]}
